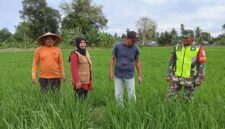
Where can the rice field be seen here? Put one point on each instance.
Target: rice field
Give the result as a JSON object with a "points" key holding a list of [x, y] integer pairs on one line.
{"points": [[22, 106]]}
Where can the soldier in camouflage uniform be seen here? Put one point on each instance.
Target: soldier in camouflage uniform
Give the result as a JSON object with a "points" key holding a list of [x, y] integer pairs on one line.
{"points": [[186, 67]]}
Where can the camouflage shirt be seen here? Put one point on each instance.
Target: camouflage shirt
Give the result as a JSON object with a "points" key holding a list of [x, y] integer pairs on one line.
{"points": [[197, 69]]}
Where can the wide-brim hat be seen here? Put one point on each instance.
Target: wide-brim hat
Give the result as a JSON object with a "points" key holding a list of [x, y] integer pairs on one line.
{"points": [[57, 38]]}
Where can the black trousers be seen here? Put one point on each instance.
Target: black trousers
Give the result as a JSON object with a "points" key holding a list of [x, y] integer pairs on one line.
{"points": [[81, 93], [50, 83]]}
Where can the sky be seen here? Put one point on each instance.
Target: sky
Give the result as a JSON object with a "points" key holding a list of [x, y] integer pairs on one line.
{"points": [[209, 15]]}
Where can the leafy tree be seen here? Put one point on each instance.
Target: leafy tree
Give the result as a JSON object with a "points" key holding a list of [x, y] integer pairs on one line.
{"points": [[219, 40], [106, 40], [83, 14], [206, 37], [198, 37], [174, 37], [39, 18], [69, 35], [146, 29], [168, 38], [22, 31], [123, 36], [92, 38], [161, 39], [4, 34]]}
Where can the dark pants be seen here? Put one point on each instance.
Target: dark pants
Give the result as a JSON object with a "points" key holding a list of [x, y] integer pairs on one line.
{"points": [[81, 93], [50, 83]]}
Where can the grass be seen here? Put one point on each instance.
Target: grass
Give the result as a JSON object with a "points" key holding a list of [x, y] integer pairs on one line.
{"points": [[23, 107]]}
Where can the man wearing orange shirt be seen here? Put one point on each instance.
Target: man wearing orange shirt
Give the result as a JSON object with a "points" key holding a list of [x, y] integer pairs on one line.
{"points": [[49, 58]]}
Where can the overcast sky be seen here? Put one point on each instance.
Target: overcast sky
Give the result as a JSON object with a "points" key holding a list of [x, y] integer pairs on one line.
{"points": [[209, 15]]}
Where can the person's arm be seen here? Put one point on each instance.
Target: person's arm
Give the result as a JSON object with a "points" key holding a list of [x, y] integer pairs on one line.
{"points": [[200, 74], [35, 66], [112, 62], [61, 66], [74, 71], [171, 64], [138, 66]]}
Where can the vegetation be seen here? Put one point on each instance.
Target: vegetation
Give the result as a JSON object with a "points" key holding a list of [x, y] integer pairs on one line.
{"points": [[23, 106], [38, 18], [85, 18]]}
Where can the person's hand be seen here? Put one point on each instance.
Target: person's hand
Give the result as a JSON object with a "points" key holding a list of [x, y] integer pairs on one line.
{"points": [[63, 79], [111, 76], [34, 80], [139, 79], [199, 81], [78, 85], [168, 78]]}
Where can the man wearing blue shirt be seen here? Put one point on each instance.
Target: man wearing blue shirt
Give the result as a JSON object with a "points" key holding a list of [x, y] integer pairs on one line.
{"points": [[124, 56]]}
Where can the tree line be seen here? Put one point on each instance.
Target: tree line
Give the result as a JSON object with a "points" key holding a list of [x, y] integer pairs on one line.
{"points": [[85, 18]]}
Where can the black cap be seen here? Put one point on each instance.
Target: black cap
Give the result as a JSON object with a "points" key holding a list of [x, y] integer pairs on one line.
{"points": [[132, 35]]}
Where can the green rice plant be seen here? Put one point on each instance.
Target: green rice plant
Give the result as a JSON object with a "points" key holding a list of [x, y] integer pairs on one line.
{"points": [[22, 106]]}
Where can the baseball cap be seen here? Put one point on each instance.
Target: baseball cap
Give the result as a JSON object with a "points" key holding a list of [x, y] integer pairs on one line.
{"points": [[132, 35]]}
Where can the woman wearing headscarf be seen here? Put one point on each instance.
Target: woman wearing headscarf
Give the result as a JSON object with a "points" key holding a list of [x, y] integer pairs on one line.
{"points": [[81, 75]]}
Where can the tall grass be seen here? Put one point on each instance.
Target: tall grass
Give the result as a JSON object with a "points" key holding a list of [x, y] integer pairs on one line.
{"points": [[23, 106]]}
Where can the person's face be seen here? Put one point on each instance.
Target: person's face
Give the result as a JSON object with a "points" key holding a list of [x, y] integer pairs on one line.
{"points": [[130, 42], [187, 40], [82, 44], [49, 41]]}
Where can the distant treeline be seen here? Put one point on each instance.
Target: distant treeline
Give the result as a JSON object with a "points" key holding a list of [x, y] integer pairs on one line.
{"points": [[85, 18]]}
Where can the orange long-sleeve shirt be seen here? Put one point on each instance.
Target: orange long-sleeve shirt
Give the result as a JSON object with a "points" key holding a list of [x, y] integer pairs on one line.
{"points": [[50, 61]]}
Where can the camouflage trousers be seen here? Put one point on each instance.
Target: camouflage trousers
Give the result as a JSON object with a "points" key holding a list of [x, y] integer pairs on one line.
{"points": [[177, 83]]}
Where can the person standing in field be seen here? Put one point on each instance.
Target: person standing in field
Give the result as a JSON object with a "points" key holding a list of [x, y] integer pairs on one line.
{"points": [[125, 55], [186, 67], [81, 69], [49, 57]]}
